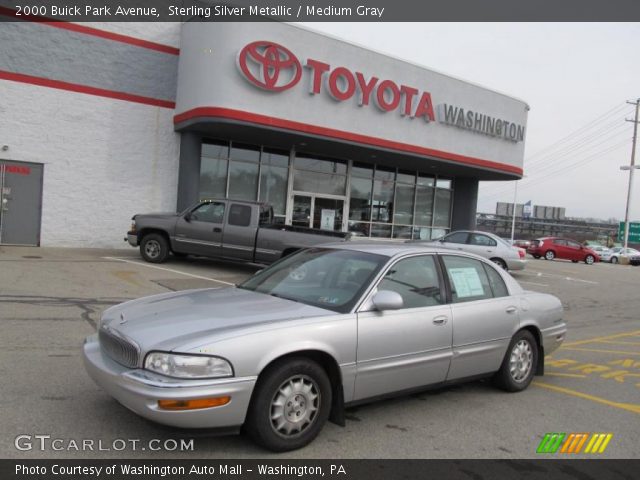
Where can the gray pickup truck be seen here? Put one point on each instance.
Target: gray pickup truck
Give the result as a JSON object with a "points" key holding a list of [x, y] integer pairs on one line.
{"points": [[230, 229]]}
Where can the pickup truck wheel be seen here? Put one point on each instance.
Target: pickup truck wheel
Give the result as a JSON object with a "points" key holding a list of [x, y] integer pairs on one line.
{"points": [[154, 248], [290, 405]]}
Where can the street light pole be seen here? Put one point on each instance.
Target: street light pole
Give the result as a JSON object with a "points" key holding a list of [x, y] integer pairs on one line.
{"points": [[631, 169]]}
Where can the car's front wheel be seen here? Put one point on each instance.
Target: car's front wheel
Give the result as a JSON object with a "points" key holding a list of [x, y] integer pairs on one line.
{"points": [[589, 259], [290, 405], [614, 260], [154, 248], [519, 364]]}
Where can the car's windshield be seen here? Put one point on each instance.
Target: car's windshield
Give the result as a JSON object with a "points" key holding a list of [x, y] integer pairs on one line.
{"points": [[322, 277]]}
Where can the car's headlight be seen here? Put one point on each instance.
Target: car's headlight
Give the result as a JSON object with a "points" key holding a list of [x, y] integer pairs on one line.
{"points": [[187, 366]]}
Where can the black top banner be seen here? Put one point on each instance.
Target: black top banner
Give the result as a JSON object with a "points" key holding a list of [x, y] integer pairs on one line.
{"points": [[322, 10]]}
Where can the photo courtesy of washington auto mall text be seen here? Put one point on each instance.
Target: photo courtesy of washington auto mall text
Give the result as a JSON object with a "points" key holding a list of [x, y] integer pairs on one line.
{"points": [[256, 239]]}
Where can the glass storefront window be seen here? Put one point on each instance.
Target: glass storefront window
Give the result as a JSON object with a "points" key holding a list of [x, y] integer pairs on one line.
{"points": [[245, 153], [400, 231], [275, 158], [442, 211], [404, 204], [243, 181], [213, 178], [360, 201], [273, 187], [443, 183], [381, 230], [316, 182], [215, 149], [424, 205], [362, 170], [320, 164]]}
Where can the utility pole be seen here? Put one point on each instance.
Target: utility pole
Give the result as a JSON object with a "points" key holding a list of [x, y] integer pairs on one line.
{"points": [[631, 169], [513, 220]]}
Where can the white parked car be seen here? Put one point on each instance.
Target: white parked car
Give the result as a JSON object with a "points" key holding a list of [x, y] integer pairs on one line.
{"points": [[618, 252], [603, 252], [487, 245]]}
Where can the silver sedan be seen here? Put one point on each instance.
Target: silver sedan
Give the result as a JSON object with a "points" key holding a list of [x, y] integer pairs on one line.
{"points": [[485, 244], [319, 330]]}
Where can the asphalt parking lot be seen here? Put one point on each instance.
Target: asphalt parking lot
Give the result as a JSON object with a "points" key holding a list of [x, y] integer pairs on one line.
{"points": [[50, 299]]}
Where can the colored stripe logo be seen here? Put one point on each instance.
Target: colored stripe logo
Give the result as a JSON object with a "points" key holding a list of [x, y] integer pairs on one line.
{"points": [[574, 443]]}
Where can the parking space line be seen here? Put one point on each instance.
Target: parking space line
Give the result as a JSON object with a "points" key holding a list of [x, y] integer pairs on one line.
{"points": [[169, 270], [570, 375], [580, 349], [608, 337], [613, 342], [534, 283], [631, 407]]}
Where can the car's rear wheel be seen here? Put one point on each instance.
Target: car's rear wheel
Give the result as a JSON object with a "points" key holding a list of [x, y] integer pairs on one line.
{"points": [[154, 248], [589, 259], [614, 260], [536, 257], [549, 255], [500, 262], [519, 364], [290, 405]]}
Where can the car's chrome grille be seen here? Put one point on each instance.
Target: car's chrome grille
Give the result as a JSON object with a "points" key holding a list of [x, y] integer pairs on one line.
{"points": [[123, 351]]}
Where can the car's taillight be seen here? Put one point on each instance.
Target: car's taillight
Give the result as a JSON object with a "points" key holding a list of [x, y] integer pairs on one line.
{"points": [[521, 253]]}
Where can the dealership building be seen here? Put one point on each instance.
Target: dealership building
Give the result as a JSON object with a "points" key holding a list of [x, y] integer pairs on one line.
{"points": [[102, 121]]}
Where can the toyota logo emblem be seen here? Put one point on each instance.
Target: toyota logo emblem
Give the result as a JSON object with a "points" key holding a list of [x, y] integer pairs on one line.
{"points": [[269, 66]]}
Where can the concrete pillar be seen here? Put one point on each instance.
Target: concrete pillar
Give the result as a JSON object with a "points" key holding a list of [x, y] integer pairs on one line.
{"points": [[189, 170], [465, 203]]}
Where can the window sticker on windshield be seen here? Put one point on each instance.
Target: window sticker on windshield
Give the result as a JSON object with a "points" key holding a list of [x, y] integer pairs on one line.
{"points": [[466, 282]]}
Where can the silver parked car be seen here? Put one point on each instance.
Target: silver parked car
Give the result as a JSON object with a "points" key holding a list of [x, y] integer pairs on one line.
{"points": [[317, 331], [487, 245]]}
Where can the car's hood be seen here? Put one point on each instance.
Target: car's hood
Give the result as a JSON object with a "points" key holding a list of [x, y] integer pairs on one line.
{"points": [[167, 321], [157, 214]]}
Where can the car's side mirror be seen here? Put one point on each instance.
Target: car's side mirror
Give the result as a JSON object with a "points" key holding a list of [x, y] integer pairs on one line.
{"points": [[187, 217], [387, 300]]}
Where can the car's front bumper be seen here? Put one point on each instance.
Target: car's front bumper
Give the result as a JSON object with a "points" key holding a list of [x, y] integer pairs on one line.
{"points": [[516, 264], [132, 238], [140, 390]]}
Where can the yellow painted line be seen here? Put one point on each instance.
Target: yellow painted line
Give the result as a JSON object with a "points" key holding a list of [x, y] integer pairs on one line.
{"points": [[601, 351], [613, 342], [608, 337], [631, 407], [570, 375], [590, 444]]}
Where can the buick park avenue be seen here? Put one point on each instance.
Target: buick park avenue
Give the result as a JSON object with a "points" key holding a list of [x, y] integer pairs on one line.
{"points": [[318, 331]]}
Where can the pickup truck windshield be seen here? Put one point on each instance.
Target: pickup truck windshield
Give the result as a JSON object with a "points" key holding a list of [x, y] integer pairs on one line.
{"points": [[321, 277]]}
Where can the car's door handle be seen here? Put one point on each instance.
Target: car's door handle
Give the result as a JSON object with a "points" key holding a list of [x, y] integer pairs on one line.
{"points": [[217, 230], [511, 309], [441, 320]]}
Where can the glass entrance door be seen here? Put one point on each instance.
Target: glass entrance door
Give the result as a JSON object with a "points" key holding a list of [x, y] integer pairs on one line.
{"points": [[317, 212], [327, 213]]}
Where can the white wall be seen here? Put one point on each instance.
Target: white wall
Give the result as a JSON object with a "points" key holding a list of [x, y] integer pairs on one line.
{"points": [[104, 160]]}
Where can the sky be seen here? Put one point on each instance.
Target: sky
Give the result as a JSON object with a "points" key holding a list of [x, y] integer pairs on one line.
{"points": [[574, 76]]}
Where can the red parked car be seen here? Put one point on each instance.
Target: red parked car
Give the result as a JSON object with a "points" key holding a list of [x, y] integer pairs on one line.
{"points": [[554, 247]]}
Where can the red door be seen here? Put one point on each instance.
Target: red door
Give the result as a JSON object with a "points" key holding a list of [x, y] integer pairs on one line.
{"points": [[560, 247], [574, 249]]}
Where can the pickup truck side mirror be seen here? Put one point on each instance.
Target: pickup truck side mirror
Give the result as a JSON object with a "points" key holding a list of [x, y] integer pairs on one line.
{"points": [[187, 217]]}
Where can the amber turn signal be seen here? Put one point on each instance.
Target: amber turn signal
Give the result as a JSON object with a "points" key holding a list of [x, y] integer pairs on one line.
{"points": [[193, 404]]}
